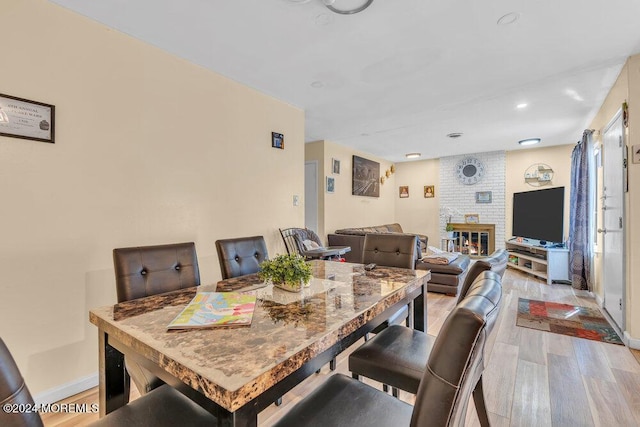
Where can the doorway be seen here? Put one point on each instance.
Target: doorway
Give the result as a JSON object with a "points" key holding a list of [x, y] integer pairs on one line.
{"points": [[613, 221], [311, 195]]}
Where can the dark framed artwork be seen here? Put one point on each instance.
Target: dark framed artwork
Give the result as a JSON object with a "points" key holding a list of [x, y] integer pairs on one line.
{"points": [[404, 191], [365, 177], [26, 119], [277, 140]]}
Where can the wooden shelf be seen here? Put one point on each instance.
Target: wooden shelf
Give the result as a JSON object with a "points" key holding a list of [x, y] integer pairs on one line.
{"points": [[547, 263]]}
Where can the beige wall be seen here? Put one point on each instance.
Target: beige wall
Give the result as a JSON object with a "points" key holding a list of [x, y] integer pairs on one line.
{"points": [[416, 213], [627, 88], [341, 208], [558, 157], [149, 149]]}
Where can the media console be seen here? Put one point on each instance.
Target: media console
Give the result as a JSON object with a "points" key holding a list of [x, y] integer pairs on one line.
{"points": [[550, 264]]}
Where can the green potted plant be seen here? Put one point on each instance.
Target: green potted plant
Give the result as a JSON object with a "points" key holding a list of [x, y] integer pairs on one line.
{"points": [[449, 230], [289, 272]]}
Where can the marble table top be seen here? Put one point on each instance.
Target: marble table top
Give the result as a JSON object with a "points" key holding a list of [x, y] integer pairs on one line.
{"points": [[231, 366]]}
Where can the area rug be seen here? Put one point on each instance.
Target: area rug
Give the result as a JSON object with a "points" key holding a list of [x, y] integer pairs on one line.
{"points": [[566, 319]]}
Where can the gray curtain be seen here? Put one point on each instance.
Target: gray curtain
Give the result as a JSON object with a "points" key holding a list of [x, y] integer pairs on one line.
{"points": [[580, 214]]}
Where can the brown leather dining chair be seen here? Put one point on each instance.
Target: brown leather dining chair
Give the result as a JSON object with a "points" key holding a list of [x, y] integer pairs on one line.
{"points": [[391, 250], [149, 270], [398, 355], [241, 256], [447, 380], [164, 406], [496, 262]]}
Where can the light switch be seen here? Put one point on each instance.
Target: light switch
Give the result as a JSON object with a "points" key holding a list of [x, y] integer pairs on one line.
{"points": [[296, 200]]}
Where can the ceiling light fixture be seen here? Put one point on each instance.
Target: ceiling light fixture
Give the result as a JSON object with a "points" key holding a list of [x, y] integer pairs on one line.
{"points": [[521, 106], [317, 84], [330, 5], [529, 141], [455, 134], [412, 155]]}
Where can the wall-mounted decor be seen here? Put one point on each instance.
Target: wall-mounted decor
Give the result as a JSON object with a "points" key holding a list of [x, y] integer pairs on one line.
{"points": [[538, 174], [22, 118], [335, 166], [635, 153], [382, 179], [277, 140], [483, 196], [429, 191], [470, 170], [471, 219], [331, 184], [365, 177], [404, 191]]}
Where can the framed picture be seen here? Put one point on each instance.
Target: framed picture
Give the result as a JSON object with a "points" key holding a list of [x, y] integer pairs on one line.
{"points": [[429, 191], [277, 140], [365, 177], [471, 219], [22, 118], [331, 184], [335, 166], [483, 196], [404, 191]]}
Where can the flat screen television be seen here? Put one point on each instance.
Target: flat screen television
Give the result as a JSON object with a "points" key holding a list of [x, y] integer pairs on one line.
{"points": [[539, 215]]}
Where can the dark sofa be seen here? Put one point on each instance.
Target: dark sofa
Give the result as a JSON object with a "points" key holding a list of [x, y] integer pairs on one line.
{"points": [[444, 278], [354, 237]]}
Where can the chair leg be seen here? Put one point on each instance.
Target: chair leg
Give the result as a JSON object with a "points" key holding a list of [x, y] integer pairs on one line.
{"points": [[366, 337], [332, 364], [385, 388], [355, 376], [278, 401], [395, 392], [478, 400]]}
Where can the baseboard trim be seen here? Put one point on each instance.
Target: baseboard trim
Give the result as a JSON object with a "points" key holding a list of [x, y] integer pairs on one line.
{"points": [[631, 342], [67, 390], [599, 300]]}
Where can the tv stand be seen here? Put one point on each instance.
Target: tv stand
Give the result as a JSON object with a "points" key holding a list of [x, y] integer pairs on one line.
{"points": [[550, 264]]}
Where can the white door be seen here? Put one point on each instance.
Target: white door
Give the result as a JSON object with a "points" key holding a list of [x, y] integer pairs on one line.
{"points": [[614, 168], [311, 195]]}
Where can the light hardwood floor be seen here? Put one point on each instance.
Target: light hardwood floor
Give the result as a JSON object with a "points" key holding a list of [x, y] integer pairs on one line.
{"points": [[532, 378]]}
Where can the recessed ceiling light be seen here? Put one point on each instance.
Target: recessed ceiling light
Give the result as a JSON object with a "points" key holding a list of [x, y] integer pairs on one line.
{"points": [[521, 106], [529, 141], [317, 84], [412, 155], [455, 134], [509, 18]]}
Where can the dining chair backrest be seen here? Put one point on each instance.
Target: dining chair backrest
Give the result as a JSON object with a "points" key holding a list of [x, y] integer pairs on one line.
{"points": [[14, 391], [149, 270], [390, 250], [496, 262], [241, 255], [456, 362]]}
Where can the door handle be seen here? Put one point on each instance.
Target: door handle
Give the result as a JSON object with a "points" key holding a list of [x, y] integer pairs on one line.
{"points": [[602, 230]]}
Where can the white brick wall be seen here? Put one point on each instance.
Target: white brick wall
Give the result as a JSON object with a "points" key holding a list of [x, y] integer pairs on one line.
{"points": [[462, 198]]}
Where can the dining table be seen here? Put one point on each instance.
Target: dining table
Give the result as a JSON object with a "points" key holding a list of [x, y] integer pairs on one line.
{"points": [[236, 372]]}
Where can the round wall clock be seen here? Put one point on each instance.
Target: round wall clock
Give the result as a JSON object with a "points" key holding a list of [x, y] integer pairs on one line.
{"points": [[469, 170]]}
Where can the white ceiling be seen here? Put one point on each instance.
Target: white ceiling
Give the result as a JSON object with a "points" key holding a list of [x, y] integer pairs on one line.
{"points": [[401, 75]]}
